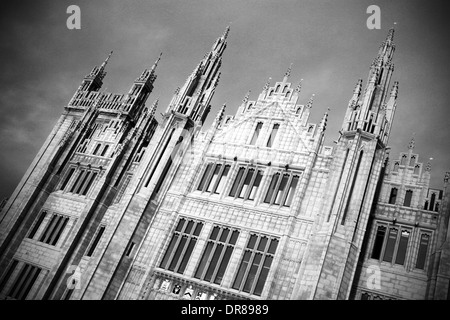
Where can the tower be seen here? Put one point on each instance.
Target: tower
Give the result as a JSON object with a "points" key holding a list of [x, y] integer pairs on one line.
{"points": [[103, 276], [58, 206], [358, 161]]}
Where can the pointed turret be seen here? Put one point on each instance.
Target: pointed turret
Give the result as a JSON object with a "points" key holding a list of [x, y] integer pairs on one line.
{"points": [[102, 67], [148, 76], [323, 122], [94, 80], [193, 98], [370, 111]]}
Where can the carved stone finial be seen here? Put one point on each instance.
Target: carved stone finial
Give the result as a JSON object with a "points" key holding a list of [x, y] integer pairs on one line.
{"points": [[412, 143], [267, 85], [299, 86], [245, 100], [310, 102]]}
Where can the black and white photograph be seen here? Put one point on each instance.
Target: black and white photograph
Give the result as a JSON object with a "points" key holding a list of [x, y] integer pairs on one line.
{"points": [[241, 151]]}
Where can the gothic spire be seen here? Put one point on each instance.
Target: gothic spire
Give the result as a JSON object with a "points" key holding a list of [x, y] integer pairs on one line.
{"points": [[323, 122], [153, 108], [394, 91], [106, 60], [156, 62], [225, 34], [219, 116]]}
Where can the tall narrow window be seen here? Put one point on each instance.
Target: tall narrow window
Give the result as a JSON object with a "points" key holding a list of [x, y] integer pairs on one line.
{"points": [[217, 254], [181, 245], [37, 224], [425, 207], [237, 182], [97, 148], [433, 199], [214, 177], [214, 183], [246, 183], [403, 160], [255, 264], [256, 133], [8, 274], [393, 196], [291, 191], [412, 161], [205, 176], [273, 134], [81, 174], [390, 245], [163, 175], [68, 176], [417, 169], [402, 247], [83, 181], [160, 157], [272, 187], [350, 195], [105, 149], [282, 187], [423, 248], [378, 244], [24, 282], [255, 186], [94, 243], [396, 167], [89, 184], [54, 229], [408, 197], [222, 180]]}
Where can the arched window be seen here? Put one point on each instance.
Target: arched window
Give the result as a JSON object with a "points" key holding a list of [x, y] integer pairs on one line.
{"points": [[412, 161], [310, 129], [272, 136], [396, 167], [287, 94], [425, 207], [393, 196], [285, 89], [416, 169], [278, 88], [271, 92], [299, 109], [105, 149], [403, 161], [256, 133], [433, 199], [408, 197]]}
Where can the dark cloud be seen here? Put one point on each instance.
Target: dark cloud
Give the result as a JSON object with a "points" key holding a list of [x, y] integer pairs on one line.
{"points": [[327, 41]]}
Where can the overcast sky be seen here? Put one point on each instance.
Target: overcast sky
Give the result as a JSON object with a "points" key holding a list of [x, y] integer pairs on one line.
{"points": [[328, 43]]}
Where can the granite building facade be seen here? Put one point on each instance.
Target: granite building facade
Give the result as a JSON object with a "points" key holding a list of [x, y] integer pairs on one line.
{"points": [[118, 205]]}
